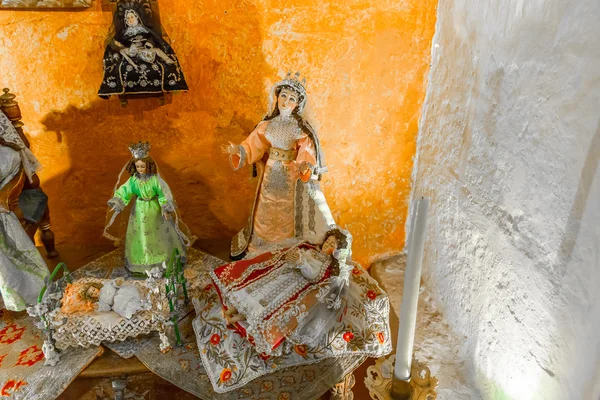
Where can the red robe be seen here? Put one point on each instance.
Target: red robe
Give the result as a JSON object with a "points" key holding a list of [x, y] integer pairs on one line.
{"points": [[272, 294]]}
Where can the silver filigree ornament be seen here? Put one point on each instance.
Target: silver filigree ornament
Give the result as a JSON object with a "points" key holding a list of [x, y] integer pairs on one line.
{"points": [[140, 150], [276, 181]]}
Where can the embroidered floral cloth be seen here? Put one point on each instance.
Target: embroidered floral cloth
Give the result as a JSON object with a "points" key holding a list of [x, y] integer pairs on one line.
{"points": [[23, 374], [231, 361], [182, 367]]}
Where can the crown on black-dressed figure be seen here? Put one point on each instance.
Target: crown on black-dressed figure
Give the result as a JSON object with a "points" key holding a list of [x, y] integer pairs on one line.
{"points": [[140, 149], [295, 82]]}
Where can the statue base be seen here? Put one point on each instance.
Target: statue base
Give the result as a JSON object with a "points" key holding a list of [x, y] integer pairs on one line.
{"points": [[382, 386]]}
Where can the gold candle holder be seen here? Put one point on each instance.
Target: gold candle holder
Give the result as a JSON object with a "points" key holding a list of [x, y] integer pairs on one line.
{"points": [[382, 386]]}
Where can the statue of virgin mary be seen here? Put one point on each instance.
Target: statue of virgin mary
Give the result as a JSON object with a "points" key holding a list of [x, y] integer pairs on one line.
{"points": [[289, 206]]}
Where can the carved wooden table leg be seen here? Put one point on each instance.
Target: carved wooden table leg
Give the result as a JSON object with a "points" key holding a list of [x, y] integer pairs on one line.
{"points": [[119, 384], [343, 390], [47, 235]]}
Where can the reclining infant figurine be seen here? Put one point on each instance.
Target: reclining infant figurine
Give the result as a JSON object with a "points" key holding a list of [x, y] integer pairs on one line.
{"points": [[123, 299]]}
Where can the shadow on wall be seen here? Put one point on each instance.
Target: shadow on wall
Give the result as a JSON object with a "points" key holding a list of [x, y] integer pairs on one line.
{"points": [[573, 354], [186, 137], [588, 173]]}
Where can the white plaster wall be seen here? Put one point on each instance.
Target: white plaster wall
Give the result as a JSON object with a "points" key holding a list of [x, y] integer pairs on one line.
{"points": [[509, 153]]}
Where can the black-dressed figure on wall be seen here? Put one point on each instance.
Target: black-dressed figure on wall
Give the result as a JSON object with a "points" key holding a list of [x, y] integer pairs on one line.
{"points": [[137, 59]]}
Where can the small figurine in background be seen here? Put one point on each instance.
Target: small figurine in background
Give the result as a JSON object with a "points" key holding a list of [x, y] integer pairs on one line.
{"points": [[22, 269], [154, 228], [289, 205], [137, 59]]}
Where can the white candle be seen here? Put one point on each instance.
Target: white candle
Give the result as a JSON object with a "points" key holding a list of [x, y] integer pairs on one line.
{"points": [[410, 294]]}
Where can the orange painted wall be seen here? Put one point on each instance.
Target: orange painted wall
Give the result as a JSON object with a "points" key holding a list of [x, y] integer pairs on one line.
{"points": [[366, 65]]}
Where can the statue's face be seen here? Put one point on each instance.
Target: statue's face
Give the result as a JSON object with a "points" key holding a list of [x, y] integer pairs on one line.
{"points": [[329, 245], [287, 102], [140, 167], [131, 19], [93, 292]]}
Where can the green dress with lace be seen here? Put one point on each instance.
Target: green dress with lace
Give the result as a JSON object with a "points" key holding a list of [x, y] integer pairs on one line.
{"points": [[150, 238]]}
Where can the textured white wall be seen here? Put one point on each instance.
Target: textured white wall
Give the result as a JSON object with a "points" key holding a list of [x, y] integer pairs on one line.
{"points": [[509, 152]]}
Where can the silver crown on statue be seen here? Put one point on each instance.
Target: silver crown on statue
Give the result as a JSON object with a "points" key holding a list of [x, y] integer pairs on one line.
{"points": [[295, 82], [140, 150]]}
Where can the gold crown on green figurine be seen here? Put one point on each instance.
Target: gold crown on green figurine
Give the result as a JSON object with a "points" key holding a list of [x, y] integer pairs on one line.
{"points": [[140, 149]]}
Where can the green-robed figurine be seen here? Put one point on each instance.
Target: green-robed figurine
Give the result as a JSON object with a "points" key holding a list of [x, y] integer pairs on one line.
{"points": [[154, 229]]}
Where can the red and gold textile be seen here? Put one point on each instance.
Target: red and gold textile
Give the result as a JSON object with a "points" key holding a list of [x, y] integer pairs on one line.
{"points": [[23, 374]]}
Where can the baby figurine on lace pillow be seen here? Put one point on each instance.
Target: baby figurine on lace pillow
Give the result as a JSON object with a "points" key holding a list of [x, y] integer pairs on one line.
{"points": [[89, 311], [295, 294], [124, 299]]}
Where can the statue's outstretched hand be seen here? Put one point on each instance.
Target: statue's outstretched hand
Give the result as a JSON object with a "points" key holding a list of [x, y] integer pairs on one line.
{"points": [[304, 167], [235, 318], [232, 315], [293, 255], [230, 148]]}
